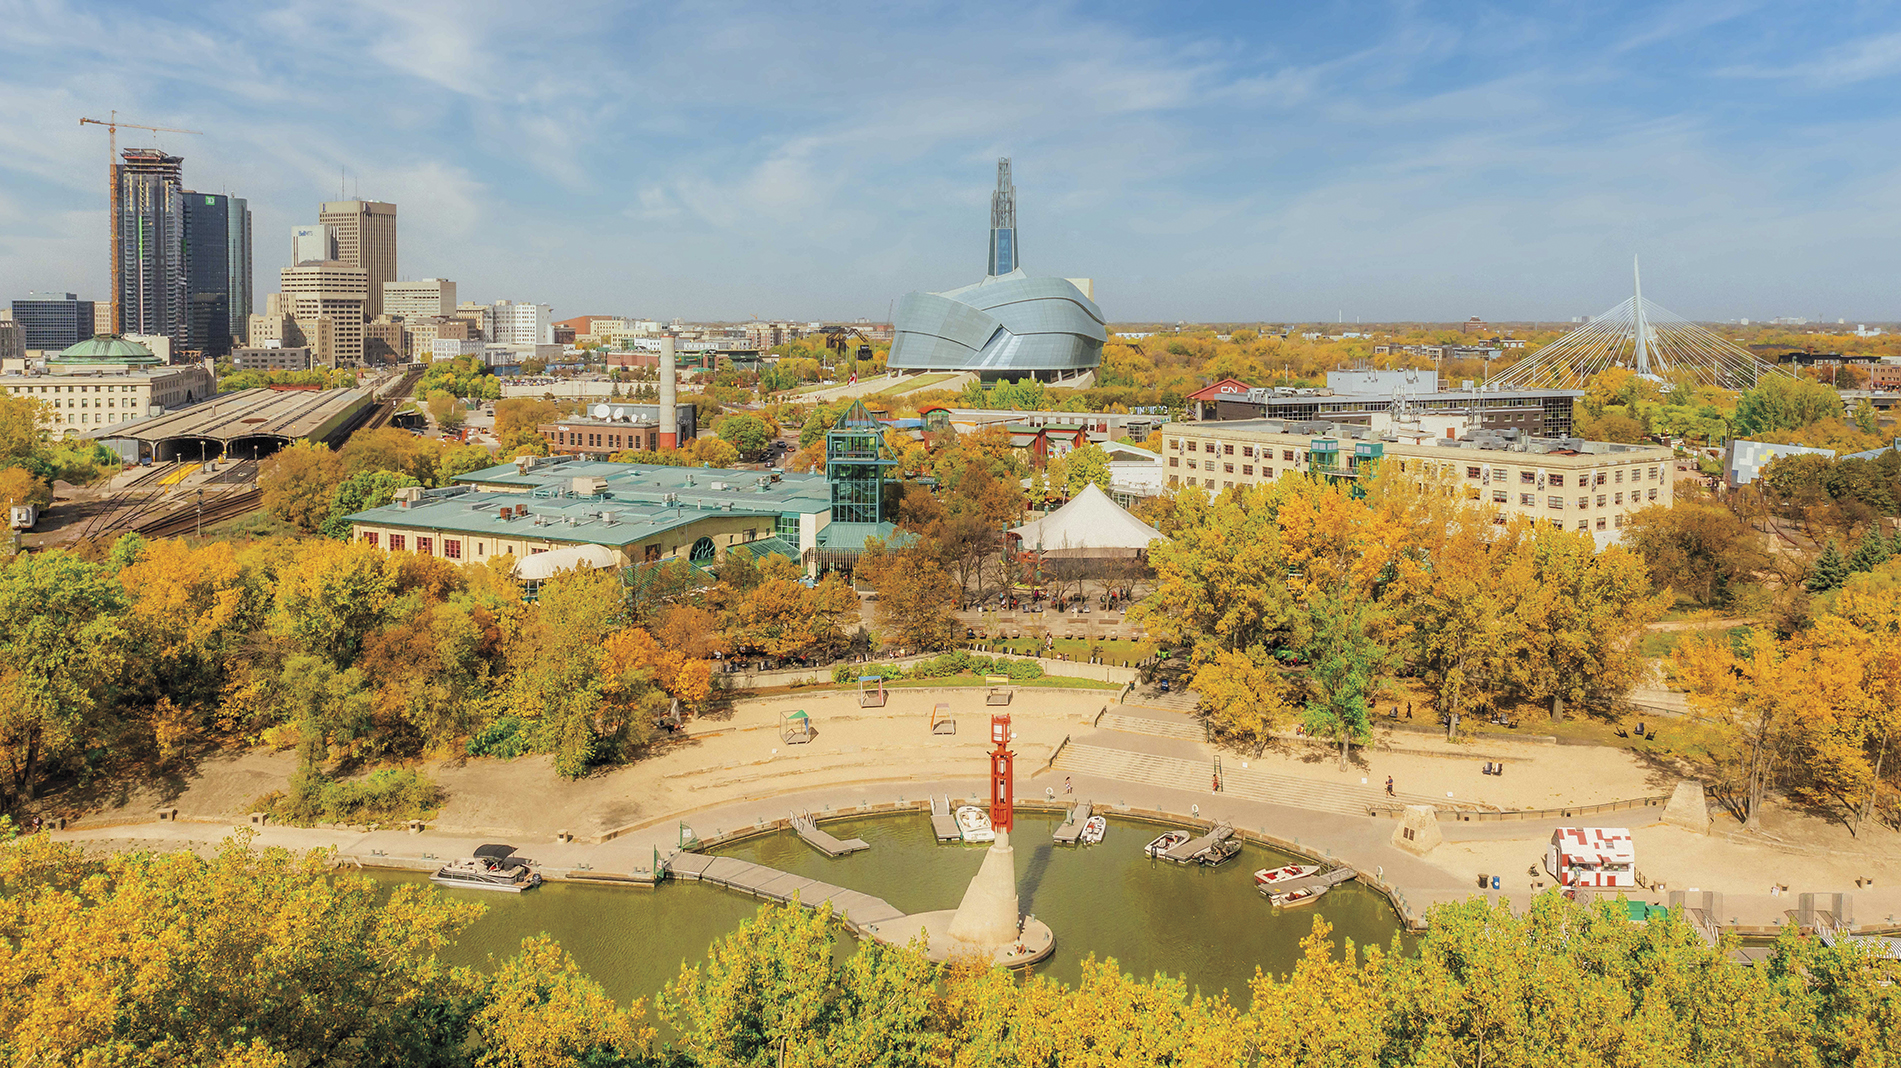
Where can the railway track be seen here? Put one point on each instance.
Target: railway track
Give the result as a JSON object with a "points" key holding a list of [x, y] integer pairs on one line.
{"points": [[218, 509]]}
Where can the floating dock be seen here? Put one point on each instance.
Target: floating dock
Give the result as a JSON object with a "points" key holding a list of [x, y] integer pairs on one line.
{"points": [[823, 842], [1072, 827], [944, 822], [856, 910], [1190, 851], [1318, 880]]}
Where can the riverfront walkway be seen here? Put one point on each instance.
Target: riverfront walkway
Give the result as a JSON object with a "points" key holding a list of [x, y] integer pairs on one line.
{"points": [[733, 774]]}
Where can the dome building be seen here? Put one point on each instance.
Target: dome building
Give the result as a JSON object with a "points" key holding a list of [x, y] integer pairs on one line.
{"points": [[1007, 326], [104, 381]]}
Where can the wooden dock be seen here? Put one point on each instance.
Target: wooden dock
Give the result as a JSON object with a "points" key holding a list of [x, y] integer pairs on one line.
{"points": [[854, 909], [1072, 827], [1188, 851], [1319, 880], [944, 822], [825, 843]]}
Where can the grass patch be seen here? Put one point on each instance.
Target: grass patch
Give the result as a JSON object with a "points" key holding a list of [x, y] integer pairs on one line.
{"points": [[252, 525], [1662, 643], [907, 385]]}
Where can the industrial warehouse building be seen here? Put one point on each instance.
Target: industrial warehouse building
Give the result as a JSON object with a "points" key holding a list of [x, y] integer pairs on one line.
{"points": [[1579, 485]]}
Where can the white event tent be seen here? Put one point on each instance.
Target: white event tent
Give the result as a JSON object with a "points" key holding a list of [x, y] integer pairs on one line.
{"points": [[1089, 525]]}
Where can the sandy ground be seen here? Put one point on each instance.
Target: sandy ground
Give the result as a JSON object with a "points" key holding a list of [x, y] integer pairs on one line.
{"points": [[738, 757], [742, 759]]}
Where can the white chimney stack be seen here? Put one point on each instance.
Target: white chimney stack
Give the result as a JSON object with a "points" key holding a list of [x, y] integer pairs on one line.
{"points": [[669, 422]]}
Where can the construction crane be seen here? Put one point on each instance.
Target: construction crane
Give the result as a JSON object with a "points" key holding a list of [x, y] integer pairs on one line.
{"points": [[112, 180], [837, 338]]}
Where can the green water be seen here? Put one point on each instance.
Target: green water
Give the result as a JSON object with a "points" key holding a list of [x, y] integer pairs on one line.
{"points": [[1206, 924]]}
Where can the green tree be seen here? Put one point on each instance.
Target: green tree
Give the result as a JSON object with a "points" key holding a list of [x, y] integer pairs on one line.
{"points": [[749, 434], [1829, 571], [1782, 403], [1348, 665], [1084, 466], [1872, 552], [62, 650], [361, 492]]}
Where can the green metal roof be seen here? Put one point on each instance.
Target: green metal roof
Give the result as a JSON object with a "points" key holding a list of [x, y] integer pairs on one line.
{"points": [[579, 521], [107, 348]]}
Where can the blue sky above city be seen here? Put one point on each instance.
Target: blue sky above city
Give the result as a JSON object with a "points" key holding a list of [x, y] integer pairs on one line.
{"points": [[1275, 162]]}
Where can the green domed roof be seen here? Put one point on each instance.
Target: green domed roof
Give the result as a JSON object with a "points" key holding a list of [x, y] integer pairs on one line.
{"points": [[107, 348]]}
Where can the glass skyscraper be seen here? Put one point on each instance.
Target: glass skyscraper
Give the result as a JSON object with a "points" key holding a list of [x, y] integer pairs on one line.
{"points": [[217, 271], [150, 257]]}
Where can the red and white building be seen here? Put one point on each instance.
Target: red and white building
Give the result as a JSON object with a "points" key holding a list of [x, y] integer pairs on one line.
{"points": [[1592, 856]]}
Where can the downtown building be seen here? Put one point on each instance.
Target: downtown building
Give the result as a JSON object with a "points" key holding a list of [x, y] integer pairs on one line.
{"points": [[50, 322], [181, 261], [365, 237]]}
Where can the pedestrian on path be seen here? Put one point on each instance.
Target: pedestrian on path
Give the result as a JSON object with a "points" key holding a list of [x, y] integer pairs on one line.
{"points": [[1067, 788], [1389, 786]]}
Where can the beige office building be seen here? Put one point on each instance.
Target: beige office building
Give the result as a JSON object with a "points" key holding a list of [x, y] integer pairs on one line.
{"points": [[419, 299], [1580, 485], [276, 330], [366, 238], [334, 289], [384, 341]]}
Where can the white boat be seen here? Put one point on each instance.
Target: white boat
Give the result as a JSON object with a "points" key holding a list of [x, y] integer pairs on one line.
{"points": [[493, 867], [1283, 876], [1304, 896], [1093, 829], [1166, 842], [974, 824]]}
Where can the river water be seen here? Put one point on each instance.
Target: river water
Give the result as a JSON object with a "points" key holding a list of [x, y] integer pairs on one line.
{"points": [[1205, 924]]}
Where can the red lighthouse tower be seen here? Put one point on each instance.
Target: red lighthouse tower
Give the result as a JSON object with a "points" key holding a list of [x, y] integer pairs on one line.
{"points": [[1002, 781]]}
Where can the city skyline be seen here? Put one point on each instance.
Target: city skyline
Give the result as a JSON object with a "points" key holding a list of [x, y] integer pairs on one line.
{"points": [[1380, 164]]}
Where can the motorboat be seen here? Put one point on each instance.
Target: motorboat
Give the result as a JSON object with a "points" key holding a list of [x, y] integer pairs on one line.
{"points": [[1166, 842], [1306, 895], [1219, 853], [1093, 829], [493, 867], [1272, 877], [974, 824]]}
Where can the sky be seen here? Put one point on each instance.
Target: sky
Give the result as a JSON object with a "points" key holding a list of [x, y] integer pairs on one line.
{"points": [[1210, 162]]}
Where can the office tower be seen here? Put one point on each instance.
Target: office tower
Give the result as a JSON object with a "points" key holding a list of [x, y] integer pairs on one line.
{"points": [[149, 280], [53, 321], [1003, 222], [419, 299], [12, 340], [217, 271], [312, 243], [383, 341], [366, 238], [328, 288], [516, 323]]}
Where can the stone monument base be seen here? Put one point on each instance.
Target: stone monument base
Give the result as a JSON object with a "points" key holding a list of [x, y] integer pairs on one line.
{"points": [[1418, 830], [1688, 807], [1035, 943]]}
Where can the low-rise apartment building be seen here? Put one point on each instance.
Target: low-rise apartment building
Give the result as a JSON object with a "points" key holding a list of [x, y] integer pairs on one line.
{"points": [[1579, 485]]}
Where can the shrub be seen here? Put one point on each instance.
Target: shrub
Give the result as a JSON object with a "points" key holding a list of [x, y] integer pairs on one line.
{"points": [[502, 738], [384, 796]]}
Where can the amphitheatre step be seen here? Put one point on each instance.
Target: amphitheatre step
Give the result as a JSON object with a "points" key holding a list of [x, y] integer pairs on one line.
{"points": [[1247, 783], [1162, 728]]}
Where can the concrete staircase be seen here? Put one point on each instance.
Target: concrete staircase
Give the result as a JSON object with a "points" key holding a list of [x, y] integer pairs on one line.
{"points": [[1190, 730], [1183, 701], [1251, 784]]}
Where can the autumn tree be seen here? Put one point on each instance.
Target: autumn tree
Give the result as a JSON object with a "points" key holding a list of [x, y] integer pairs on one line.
{"points": [[1244, 696], [917, 600], [297, 482], [1698, 548]]}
